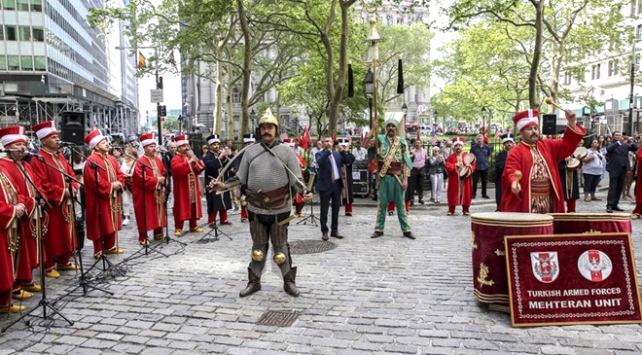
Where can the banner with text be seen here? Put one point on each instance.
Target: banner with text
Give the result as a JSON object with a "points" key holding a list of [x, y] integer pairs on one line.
{"points": [[572, 279]]}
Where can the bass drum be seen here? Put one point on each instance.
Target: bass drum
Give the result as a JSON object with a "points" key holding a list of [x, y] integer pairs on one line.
{"points": [[490, 283]]}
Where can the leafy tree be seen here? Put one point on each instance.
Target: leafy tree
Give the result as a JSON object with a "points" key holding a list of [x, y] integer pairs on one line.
{"points": [[553, 27]]}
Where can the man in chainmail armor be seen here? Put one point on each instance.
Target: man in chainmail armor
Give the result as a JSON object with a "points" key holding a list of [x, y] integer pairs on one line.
{"points": [[269, 188]]}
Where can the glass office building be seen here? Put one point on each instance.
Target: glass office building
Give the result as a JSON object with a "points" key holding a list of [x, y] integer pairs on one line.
{"points": [[52, 62]]}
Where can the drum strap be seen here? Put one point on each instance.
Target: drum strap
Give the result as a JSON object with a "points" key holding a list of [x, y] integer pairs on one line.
{"points": [[389, 156]]}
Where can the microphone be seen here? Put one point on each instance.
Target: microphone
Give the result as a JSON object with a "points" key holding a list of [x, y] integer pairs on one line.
{"points": [[66, 144]]}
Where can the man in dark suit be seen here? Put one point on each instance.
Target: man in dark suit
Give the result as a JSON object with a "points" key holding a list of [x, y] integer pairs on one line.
{"points": [[618, 153], [329, 185]]}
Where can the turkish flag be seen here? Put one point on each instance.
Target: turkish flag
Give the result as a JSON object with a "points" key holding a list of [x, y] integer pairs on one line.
{"points": [[305, 140]]}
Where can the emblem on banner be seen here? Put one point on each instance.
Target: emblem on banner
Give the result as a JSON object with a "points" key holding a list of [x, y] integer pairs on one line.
{"points": [[594, 265], [545, 266]]}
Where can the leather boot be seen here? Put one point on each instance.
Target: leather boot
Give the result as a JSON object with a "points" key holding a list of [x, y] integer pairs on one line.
{"points": [[253, 285], [289, 283]]}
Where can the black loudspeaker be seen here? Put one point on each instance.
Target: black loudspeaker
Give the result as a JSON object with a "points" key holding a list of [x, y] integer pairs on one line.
{"points": [[549, 123], [73, 127]]}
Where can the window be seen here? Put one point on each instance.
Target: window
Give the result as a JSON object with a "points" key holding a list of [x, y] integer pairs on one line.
{"points": [[36, 5], [38, 34], [9, 4], [10, 33], [598, 69], [1, 33], [25, 33], [23, 5], [613, 68], [3, 62], [13, 62], [40, 63], [638, 30], [27, 62], [567, 79]]}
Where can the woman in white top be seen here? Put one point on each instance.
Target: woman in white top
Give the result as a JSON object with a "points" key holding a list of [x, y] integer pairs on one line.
{"points": [[127, 167], [592, 170]]}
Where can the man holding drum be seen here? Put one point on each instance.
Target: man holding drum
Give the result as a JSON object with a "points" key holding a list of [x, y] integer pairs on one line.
{"points": [[541, 189], [460, 167]]}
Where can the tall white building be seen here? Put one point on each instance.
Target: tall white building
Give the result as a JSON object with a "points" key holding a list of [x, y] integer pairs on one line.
{"points": [[607, 78], [52, 63]]}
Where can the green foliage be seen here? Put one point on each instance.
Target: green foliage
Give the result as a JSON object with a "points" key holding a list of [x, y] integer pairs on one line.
{"points": [[571, 31]]}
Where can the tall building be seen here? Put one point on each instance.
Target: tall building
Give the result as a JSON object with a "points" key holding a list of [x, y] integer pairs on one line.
{"points": [[607, 80], [52, 63]]}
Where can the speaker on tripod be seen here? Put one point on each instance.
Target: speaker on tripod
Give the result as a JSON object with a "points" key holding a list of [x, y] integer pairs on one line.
{"points": [[73, 127], [549, 124]]}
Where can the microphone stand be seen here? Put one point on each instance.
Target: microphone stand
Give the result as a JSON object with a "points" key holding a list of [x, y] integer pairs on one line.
{"points": [[107, 264], [44, 302], [169, 239], [83, 282], [146, 248]]}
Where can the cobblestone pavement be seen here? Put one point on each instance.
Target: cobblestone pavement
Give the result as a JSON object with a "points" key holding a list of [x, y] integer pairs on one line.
{"points": [[367, 296]]}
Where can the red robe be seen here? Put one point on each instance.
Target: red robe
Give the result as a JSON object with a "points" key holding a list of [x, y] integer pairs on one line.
{"points": [[29, 257], [520, 158], [459, 194], [8, 223], [182, 174], [58, 239], [151, 213], [109, 221]]}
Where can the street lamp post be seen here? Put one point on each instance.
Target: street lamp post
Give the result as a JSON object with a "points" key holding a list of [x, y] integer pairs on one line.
{"points": [[484, 114], [252, 118], [631, 105], [436, 114], [369, 90], [373, 55]]}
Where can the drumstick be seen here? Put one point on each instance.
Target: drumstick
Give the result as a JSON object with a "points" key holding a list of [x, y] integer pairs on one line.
{"points": [[549, 100]]}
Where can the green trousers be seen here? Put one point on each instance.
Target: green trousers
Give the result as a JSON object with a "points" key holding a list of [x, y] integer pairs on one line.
{"points": [[390, 190]]}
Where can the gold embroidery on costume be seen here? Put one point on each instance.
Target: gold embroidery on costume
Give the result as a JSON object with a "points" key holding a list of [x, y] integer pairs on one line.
{"points": [[483, 275], [541, 200]]}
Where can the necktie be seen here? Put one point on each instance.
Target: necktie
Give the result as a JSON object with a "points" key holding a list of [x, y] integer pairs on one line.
{"points": [[334, 175]]}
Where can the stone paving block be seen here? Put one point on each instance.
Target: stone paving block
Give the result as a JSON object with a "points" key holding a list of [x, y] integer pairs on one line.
{"points": [[557, 350], [434, 333], [99, 344], [436, 350], [480, 345], [441, 342], [157, 351], [129, 348], [70, 340], [183, 345]]}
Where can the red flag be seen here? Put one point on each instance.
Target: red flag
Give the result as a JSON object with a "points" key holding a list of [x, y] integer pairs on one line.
{"points": [[305, 140], [334, 137], [486, 137]]}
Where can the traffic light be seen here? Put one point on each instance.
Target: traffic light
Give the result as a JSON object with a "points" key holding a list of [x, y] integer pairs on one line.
{"points": [[162, 111]]}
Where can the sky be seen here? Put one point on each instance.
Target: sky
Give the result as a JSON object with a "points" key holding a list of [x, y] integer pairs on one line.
{"points": [[172, 81]]}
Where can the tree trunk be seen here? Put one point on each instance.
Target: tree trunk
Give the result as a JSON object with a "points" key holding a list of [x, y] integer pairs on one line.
{"points": [[532, 76], [247, 57]]}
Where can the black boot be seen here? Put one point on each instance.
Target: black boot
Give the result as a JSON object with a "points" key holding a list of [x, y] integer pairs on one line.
{"points": [[253, 285], [289, 284]]}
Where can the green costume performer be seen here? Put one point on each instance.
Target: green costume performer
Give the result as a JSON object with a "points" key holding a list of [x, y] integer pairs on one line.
{"points": [[393, 166]]}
